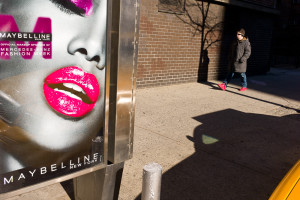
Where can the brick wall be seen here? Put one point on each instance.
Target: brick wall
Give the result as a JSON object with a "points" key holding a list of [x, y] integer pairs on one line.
{"points": [[169, 52]]}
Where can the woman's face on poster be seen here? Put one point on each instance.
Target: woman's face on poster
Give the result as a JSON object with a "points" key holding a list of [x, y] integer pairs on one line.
{"points": [[61, 99]]}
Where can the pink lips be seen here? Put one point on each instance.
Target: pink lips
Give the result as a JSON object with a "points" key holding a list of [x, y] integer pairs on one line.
{"points": [[65, 102]]}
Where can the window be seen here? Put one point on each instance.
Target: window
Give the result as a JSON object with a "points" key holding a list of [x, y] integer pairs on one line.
{"points": [[171, 6]]}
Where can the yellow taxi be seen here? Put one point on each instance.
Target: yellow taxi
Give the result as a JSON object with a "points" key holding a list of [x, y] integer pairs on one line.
{"points": [[289, 187]]}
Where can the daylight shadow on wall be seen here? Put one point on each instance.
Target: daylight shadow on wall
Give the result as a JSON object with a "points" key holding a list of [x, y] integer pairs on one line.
{"points": [[216, 24], [206, 20], [259, 31]]}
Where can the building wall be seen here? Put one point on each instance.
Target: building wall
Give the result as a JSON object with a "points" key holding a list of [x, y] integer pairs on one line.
{"points": [[286, 39], [259, 30], [169, 50]]}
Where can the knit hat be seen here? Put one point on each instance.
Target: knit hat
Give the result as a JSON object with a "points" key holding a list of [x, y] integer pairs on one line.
{"points": [[242, 31]]}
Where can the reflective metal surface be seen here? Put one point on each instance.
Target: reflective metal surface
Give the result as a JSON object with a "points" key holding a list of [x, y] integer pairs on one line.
{"points": [[123, 66], [152, 174], [120, 89], [102, 184], [44, 184]]}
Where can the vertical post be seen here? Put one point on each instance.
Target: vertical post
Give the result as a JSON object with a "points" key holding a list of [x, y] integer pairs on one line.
{"points": [[103, 184], [151, 182]]}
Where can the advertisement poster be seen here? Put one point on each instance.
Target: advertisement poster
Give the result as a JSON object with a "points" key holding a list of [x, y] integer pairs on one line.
{"points": [[52, 82]]}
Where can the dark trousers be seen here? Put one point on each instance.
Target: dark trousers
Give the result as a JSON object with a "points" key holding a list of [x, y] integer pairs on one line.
{"points": [[231, 75]]}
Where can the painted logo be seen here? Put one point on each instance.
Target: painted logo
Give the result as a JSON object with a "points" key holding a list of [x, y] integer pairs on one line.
{"points": [[25, 44]]}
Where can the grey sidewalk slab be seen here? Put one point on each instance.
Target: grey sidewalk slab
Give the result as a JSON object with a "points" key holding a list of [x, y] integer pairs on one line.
{"points": [[235, 145], [213, 144], [51, 192]]}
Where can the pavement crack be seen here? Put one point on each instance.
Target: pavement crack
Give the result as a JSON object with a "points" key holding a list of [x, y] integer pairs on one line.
{"points": [[157, 133]]}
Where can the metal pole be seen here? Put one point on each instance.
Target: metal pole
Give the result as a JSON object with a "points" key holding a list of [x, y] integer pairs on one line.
{"points": [[103, 184], [151, 182]]}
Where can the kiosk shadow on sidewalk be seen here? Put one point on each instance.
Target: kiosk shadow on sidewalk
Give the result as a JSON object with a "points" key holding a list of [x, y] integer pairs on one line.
{"points": [[238, 156]]}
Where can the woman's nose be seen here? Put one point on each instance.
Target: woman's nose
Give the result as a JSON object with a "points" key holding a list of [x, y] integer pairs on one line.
{"points": [[91, 44]]}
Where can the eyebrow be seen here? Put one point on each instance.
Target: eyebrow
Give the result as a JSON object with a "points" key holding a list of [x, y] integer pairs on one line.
{"points": [[67, 5]]}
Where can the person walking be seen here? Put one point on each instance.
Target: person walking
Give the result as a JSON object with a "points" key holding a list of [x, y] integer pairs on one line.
{"points": [[238, 55]]}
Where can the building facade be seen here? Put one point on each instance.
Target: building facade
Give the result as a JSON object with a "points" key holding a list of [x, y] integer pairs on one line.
{"points": [[187, 41], [286, 41]]}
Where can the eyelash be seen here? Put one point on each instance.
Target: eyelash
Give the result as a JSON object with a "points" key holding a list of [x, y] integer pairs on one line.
{"points": [[68, 7]]}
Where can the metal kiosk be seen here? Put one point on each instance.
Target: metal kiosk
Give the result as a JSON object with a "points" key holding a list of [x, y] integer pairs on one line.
{"points": [[67, 94]]}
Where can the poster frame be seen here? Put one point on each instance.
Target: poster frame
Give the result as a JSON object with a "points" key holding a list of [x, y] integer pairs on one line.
{"points": [[122, 43]]}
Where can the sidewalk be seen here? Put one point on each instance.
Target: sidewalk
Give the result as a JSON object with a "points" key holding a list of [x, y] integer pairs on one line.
{"points": [[213, 144]]}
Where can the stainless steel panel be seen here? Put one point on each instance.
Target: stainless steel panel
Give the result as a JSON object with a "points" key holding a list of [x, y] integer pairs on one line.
{"points": [[53, 181], [123, 80], [102, 184], [122, 41]]}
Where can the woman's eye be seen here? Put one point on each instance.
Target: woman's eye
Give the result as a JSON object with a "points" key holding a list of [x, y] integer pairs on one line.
{"points": [[79, 7], [86, 5]]}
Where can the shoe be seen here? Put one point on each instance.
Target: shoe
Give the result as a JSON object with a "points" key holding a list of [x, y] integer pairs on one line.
{"points": [[222, 86], [243, 89]]}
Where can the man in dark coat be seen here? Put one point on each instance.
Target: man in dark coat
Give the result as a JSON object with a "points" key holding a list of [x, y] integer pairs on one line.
{"points": [[239, 53]]}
